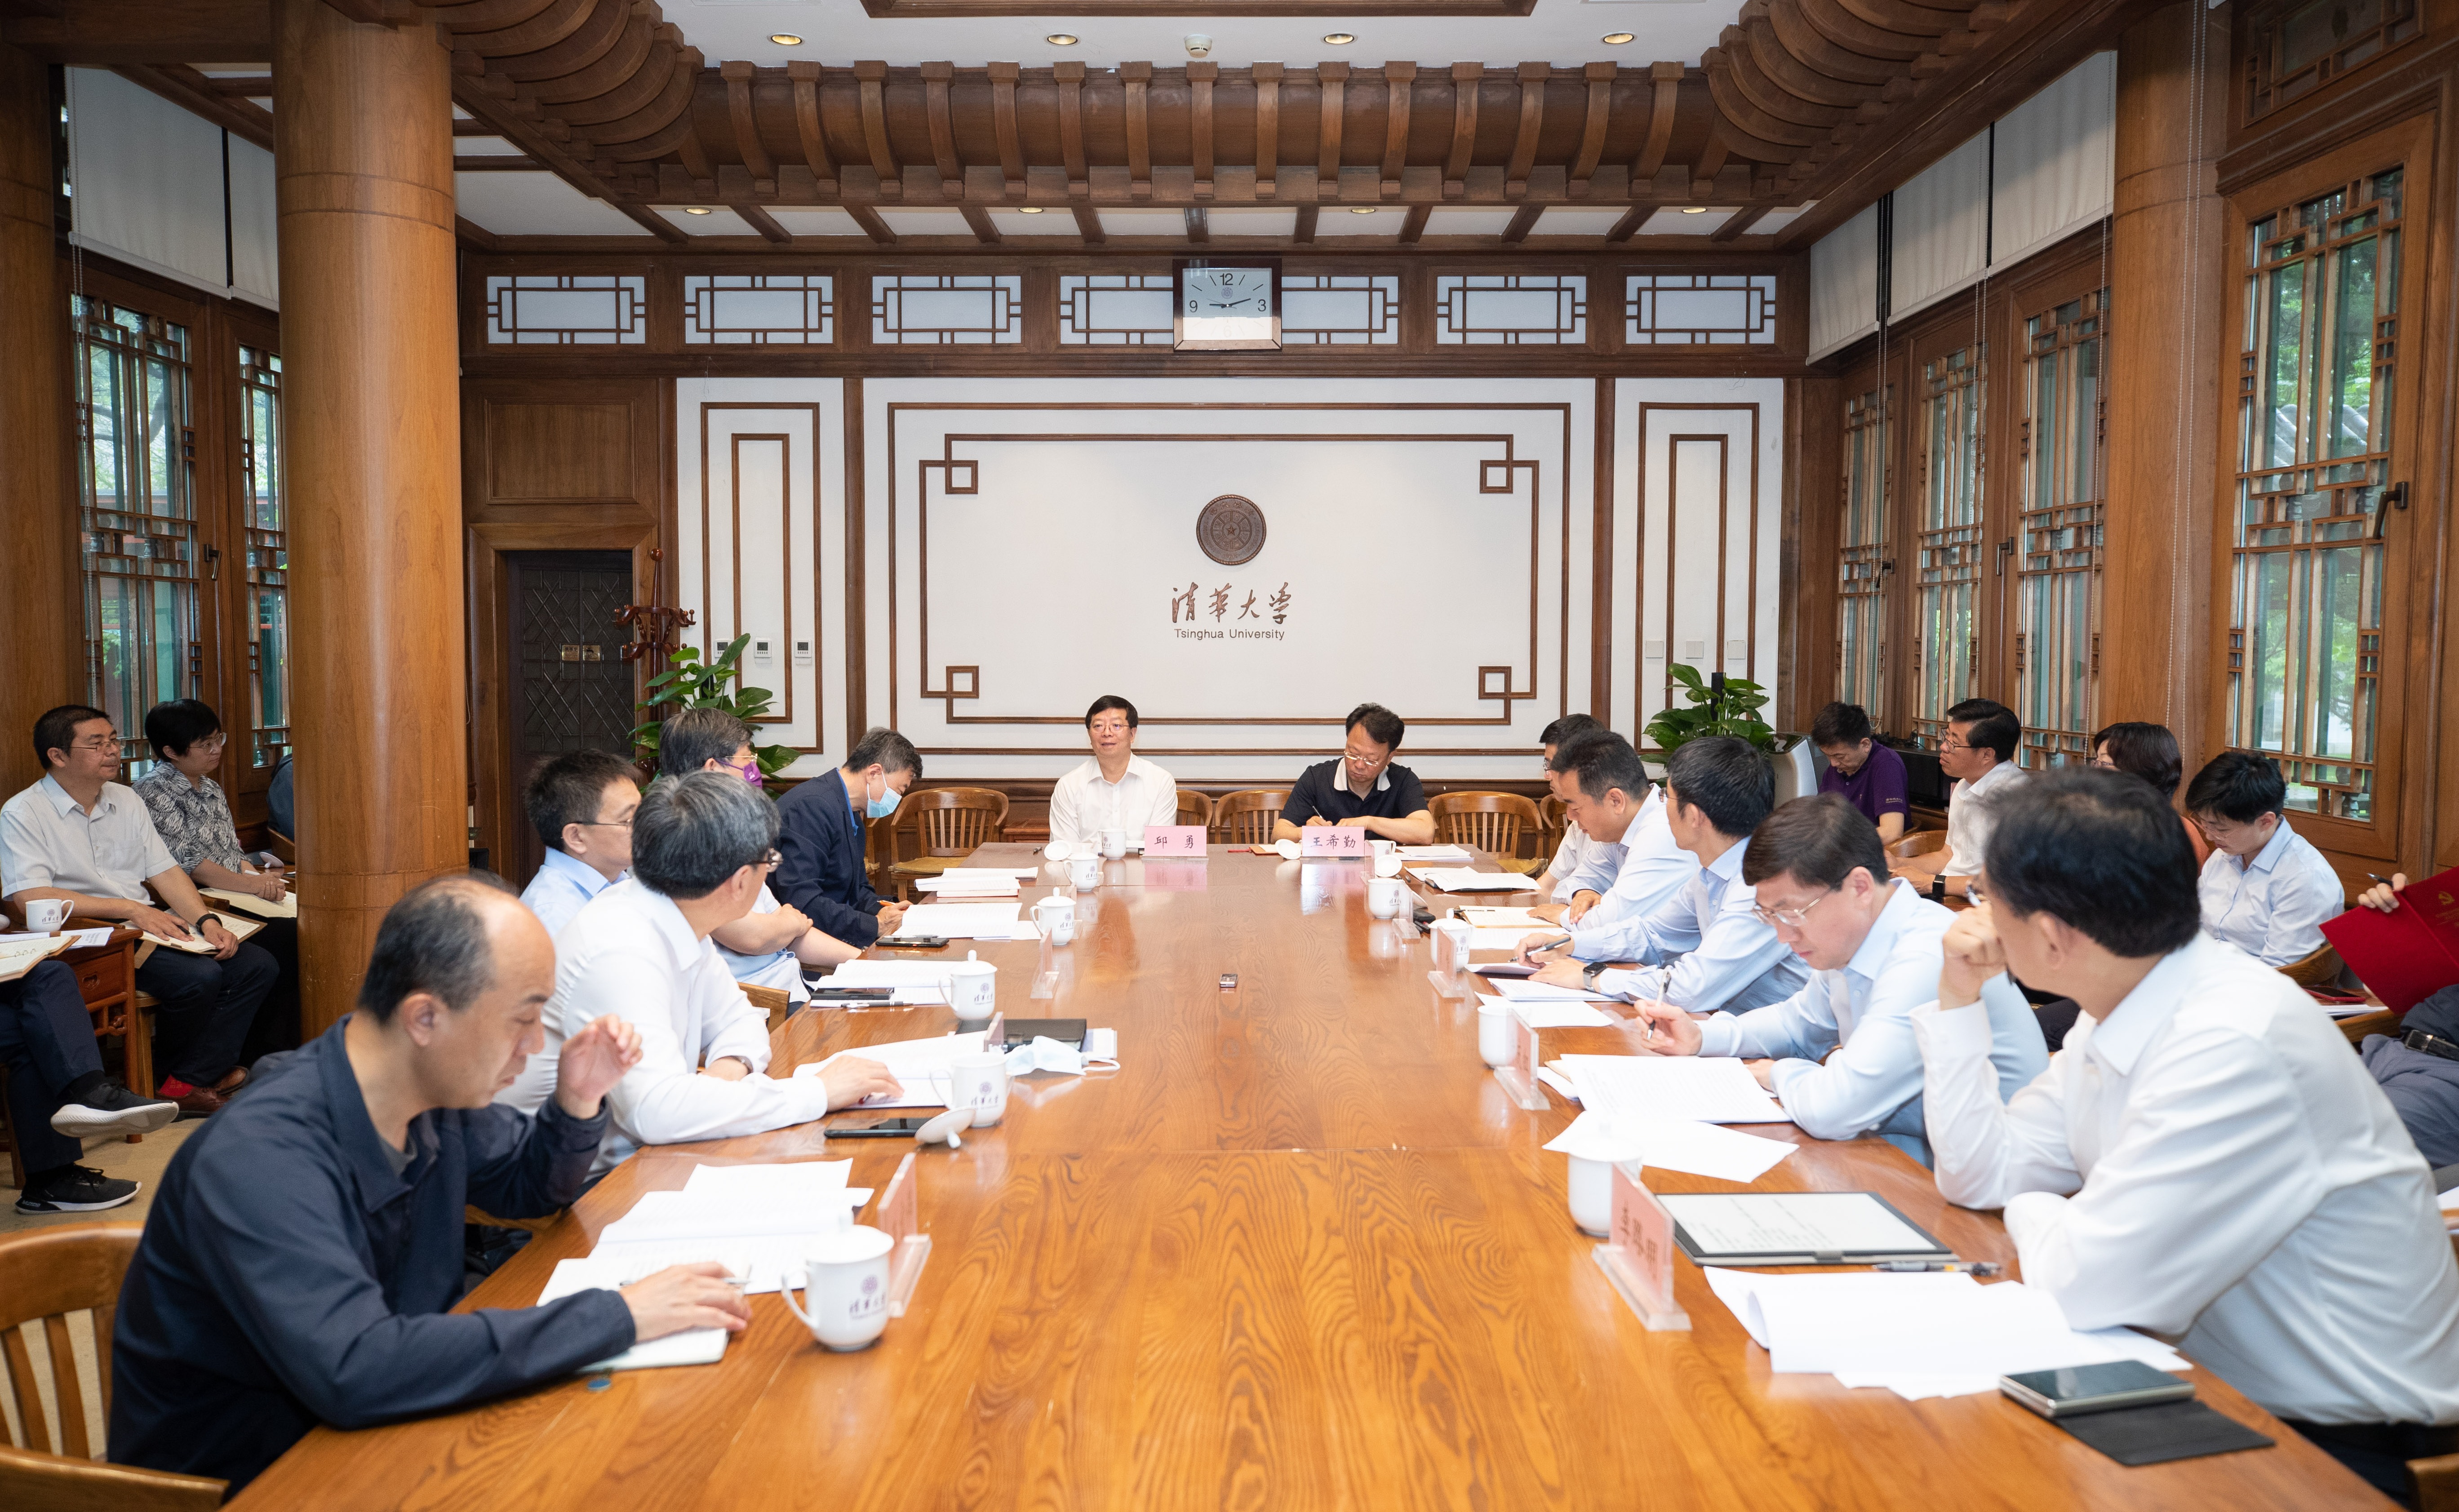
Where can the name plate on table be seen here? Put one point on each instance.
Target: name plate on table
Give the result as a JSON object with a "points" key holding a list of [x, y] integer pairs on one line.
{"points": [[1334, 840], [1520, 1077], [1639, 1256], [899, 1217], [1174, 841]]}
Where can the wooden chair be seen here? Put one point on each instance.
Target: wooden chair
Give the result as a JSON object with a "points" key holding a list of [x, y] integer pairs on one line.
{"points": [[1194, 808], [47, 1274], [1554, 821], [2356, 1026], [284, 849], [1245, 817], [487, 1220], [2436, 1479], [771, 1000], [1920, 843], [1487, 821], [2320, 969], [947, 823]]}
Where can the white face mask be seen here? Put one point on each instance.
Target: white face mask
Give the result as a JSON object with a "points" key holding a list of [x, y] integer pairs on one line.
{"points": [[882, 806]]}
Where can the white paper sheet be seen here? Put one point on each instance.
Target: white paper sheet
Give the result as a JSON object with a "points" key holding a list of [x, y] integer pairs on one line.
{"points": [[761, 1239], [965, 882], [1545, 1014], [1771, 1223], [250, 903], [199, 945], [1520, 921], [690, 1347], [775, 1182], [87, 938], [1499, 938], [1435, 852], [1710, 1089], [1535, 992], [20, 954], [961, 921], [1680, 1144], [1559, 1083], [1461, 879], [889, 973]]}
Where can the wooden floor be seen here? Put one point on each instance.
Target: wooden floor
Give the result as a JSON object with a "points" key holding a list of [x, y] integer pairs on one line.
{"points": [[1300, 1252]]}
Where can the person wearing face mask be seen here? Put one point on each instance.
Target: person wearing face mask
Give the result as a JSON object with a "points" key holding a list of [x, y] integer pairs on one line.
{"points": [[1840, 1054], [820, 837], [770, 945]]}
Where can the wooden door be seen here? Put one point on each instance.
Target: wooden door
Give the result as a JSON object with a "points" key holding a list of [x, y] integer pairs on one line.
{"points": [[570, 689]]}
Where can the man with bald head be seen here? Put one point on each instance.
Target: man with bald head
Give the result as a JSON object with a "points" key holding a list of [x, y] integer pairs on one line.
{"points": [[300, 1261]]}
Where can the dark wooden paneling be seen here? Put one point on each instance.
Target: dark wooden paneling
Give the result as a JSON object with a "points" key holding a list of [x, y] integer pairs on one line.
{"points": [[556, 453]]}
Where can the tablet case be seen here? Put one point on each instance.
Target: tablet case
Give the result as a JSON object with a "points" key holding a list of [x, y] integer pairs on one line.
{"points": [[2142, 1435]]}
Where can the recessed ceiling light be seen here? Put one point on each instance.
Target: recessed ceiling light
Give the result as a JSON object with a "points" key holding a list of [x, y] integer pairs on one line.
{"points": [[1615, 38], [1029, 209], [785, 39], [1362, 209], [1339, 38], [1694, 209], [1060, 39], [697, 210]]}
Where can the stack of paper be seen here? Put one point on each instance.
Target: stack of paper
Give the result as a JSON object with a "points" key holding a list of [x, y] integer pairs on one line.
{"points": [[914, 981], [1701, 1150], [1541, 1015], [1709, 1089], [690, 1347], [757, 1221], [1532, 992], [971, 882], [921, 1066], [1501, 939], [1460, 879], [961, 921], [20, 954], [197, 944], [1928, 1335], [1435, 852], [250, 903], [1522, 922]]}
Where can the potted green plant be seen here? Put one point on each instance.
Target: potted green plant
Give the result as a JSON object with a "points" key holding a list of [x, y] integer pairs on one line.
{"points": [[1717, 705], [689, 682]]}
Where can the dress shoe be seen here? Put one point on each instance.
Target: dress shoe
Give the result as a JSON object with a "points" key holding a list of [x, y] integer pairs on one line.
{"points": [[201, 1102], [232, 1082]]}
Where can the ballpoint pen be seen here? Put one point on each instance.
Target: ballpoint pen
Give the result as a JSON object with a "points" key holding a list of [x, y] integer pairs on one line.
{"points": [[1979, 1267]]}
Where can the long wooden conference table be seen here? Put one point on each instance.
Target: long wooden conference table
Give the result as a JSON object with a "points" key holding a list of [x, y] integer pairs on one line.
{"points": [[1300, 1250]]}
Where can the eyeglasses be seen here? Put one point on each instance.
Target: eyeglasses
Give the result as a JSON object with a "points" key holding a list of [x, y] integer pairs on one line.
{"points": [[770, 859], [1789, 918], [1361, 761], [605, 823], [1948, 743], [107, 743]]}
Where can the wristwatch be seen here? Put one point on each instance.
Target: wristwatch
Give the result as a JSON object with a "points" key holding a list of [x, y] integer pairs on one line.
{"points": [[1938, 888], [1590, 971]]}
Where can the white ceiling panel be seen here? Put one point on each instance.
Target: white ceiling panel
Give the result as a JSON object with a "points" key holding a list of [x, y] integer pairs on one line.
{"points": [[484, 147], [1558, 221], [1244, 222], [1337, 221], [926, 223], [1681, 222], [826, 222], [1133, 222], [1469, 222], [1051, 222], [1775, 221], [537, 204], [720, 222]]}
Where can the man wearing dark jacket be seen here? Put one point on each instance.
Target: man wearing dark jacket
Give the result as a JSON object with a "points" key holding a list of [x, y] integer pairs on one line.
{"points": [[299, 1263], [2423, 1087], [820, 837]]}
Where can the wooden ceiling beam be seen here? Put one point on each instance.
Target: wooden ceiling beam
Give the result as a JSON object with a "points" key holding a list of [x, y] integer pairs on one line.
{"points": [[193, 91]]}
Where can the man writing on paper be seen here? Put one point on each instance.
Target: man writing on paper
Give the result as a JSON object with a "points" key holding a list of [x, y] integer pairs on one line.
{"points": [[2265, 888], [1840, 1054], [1364, 789], [299, 1263], [1633, 866], [701, 852], [1979, 752], [769, 946], [580, 804], [821, 837], [1711, 949], [81, 836], [2204, 1156], [1115, 789]]}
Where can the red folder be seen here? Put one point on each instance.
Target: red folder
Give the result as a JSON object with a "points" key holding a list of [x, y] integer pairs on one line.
{"points": [[2412, 951]]}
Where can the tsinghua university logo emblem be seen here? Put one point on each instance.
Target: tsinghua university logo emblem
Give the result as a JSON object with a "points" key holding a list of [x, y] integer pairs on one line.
{"points": [[1230, 530]]}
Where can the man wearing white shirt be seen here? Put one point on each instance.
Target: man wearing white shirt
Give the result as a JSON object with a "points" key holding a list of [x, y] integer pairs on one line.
{"points": [[1115, 789], [701, 847], [2265, 888], [1710, 948], [2204, 1159], [770, 945], [1633, 866], [1840, 1054], [1979, 752], [580, 804], [1554, 885]]}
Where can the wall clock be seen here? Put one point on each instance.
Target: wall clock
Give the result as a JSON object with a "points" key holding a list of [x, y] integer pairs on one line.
{"points": [[1227, 304]]}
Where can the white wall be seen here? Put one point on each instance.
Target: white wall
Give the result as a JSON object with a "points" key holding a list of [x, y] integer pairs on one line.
{"points": [[1026, 542]]}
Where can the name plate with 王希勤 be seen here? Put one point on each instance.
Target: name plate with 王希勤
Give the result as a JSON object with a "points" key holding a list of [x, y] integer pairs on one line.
{"points": [[1174, 841], [1334, 840], [1638, 1259]]}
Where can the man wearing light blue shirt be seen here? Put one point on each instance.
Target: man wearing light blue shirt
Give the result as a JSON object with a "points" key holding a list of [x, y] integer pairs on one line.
{"points": [[1840, 1053], [1711, 949], [582, 805], [1632, 866], [2265, 888]]}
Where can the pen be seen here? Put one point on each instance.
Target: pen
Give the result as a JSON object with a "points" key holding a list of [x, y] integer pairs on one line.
{"points": [[1979, 1267]]}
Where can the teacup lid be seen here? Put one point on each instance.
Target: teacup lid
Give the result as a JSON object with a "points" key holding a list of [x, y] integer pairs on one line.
{"points": [[857, 1243], [1288, 849], [1055, 850]]}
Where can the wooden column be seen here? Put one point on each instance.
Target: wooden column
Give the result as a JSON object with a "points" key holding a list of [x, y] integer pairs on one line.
{"points": [[41, 612], [362, 154], [2168, 276]]}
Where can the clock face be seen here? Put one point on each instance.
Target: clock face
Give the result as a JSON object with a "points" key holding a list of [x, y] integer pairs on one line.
{"points": [[1229, 308]]}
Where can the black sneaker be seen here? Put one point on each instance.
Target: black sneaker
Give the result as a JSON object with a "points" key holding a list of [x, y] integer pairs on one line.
{"points": [[81, 1188], [112, 1109]]}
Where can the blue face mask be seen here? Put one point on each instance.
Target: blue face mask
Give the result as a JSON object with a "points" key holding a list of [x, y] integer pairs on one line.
{"points": [[879, 808]]}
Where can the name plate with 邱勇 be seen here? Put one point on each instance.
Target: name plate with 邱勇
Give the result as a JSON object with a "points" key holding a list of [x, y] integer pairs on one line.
{"points": [[1174, 841], [1639, 1256], [1334, 840]]}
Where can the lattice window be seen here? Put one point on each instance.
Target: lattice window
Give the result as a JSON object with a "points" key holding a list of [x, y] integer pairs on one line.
{"points": [[136, 515], [567, 309], [1947, 547], [266, 570], [1340, 309], [1862, 567], [1511, 309], [1700, 310], [2296, 49], [759, 310], [947, 309], [2314, 406], [1115, 309], [2058, 556]]}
